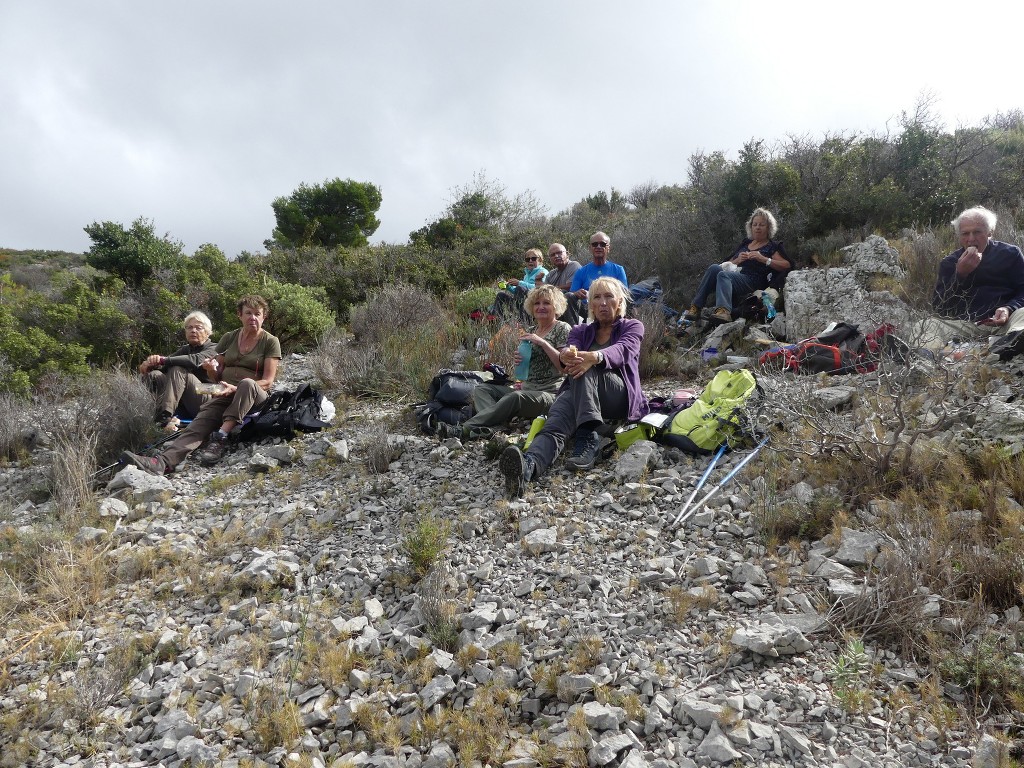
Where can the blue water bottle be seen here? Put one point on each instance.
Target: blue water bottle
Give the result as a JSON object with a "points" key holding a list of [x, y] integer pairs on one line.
{"points": [[523, 366]]}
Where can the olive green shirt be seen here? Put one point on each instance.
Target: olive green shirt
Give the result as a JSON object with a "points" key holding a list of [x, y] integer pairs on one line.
{"points": [[249, 366]]}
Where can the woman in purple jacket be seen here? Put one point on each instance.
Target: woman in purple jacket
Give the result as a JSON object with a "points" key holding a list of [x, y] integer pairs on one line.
{"points": [[602, 361]]}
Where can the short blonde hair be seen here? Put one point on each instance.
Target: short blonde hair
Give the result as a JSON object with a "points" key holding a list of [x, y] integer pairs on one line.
{"points": [[612, 284], [552, 292], [773, 225], [201, 317], [535, 252]]}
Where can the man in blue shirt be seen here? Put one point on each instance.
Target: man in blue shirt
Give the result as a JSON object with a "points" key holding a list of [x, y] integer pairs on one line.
{"points": [[600, 266], [981, 285]]}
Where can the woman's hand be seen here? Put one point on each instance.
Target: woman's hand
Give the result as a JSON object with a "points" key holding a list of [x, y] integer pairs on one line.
{"points": [[533, 338], [211, 365], [227, 390], [151, 363], [577, 363]]}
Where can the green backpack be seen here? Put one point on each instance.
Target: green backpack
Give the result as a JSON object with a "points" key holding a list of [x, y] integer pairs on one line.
{"points": [[715, 418]]}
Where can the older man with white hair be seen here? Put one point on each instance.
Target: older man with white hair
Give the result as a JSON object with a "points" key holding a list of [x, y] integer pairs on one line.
{"points": [[980, 288]]}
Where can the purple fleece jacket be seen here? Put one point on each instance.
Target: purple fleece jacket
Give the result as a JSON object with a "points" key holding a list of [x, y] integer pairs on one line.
{"points": [[623, 353]]}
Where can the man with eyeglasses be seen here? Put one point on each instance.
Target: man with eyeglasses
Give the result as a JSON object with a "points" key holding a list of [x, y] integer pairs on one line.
{"points": [[599, 266], [562, 270]]}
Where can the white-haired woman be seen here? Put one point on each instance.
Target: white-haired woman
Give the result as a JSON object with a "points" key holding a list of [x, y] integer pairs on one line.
{"points": [[174, 377], [602, 361], [497, 404], [753, 262]]}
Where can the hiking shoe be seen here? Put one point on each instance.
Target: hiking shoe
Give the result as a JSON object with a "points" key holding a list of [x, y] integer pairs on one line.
{"points": [[692, 315], [721, 315], [517, 468], [445, 431], [479, 433], [154, 465], [586, 450], [215, 450]]}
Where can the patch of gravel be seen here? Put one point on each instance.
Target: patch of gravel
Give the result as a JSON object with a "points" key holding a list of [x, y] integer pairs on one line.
{"points": [[584, 628]]}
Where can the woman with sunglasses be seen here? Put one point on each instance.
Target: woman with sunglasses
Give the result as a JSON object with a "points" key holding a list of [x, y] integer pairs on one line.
{"points": [[509, 302]]}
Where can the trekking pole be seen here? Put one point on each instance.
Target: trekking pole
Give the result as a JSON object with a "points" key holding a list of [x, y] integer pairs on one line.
{"points": [[700, 483], [723, 481]]}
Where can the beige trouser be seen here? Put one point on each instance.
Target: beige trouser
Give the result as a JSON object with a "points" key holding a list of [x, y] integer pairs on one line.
{"points": [[936, 332], [173, 387], [209, 419]]}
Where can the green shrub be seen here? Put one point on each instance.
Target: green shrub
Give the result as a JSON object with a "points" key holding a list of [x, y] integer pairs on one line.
{"points": [[298, 315], [424, 543], [474, 298]]}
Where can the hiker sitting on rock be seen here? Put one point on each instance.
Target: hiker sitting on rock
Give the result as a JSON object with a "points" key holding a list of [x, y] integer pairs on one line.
{"points": [[746, 271], [603, 363], [497, 404], [174, 377], [980, 289], [245, 367], [509, 301]]}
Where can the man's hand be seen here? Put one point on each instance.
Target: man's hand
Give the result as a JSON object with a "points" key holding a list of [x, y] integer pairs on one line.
{"points": [[968, 262], [999, 317], [581, 293]]}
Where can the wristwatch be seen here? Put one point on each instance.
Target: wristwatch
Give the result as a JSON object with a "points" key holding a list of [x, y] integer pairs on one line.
{"points": [[600, 357], [767, 261]]}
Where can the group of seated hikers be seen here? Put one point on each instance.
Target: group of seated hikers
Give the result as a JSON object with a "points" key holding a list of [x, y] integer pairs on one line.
{"points": [[240, 370], [584, 375]]}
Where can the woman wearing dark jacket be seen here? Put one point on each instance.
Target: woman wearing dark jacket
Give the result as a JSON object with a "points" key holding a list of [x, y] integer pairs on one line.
{"points": [[603, 384], [174, 377], [749, 269]]}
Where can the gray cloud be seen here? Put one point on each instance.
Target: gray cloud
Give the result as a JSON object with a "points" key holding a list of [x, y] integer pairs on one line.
{"points": [[197, 115]]}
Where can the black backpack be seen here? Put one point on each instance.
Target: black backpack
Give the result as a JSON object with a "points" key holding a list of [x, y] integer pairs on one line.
{"points": [[282, 414], [450, 399]]}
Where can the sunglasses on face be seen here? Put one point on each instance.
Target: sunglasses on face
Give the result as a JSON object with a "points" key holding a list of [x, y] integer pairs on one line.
{"points": [[532, 258], [599, 245]]}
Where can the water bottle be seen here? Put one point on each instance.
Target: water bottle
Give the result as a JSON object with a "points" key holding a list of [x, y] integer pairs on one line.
{"points": [[769, 304], [523, 367], [535, 428]]}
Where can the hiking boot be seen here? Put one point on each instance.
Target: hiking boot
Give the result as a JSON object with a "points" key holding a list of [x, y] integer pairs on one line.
{"points": [[445, 431], [479, 433], [518, 470], [721, 315], [586, 450], [215, 449], [154, 465], [692, 315]]}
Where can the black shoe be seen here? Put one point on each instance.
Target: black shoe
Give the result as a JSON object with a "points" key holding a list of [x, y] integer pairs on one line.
{"points": [[586, 450], [1008, 346], [154, 465], [215, 450], [518, 469]]}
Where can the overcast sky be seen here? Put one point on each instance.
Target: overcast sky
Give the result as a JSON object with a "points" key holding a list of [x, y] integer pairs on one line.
{"points": [[196, 115]]}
